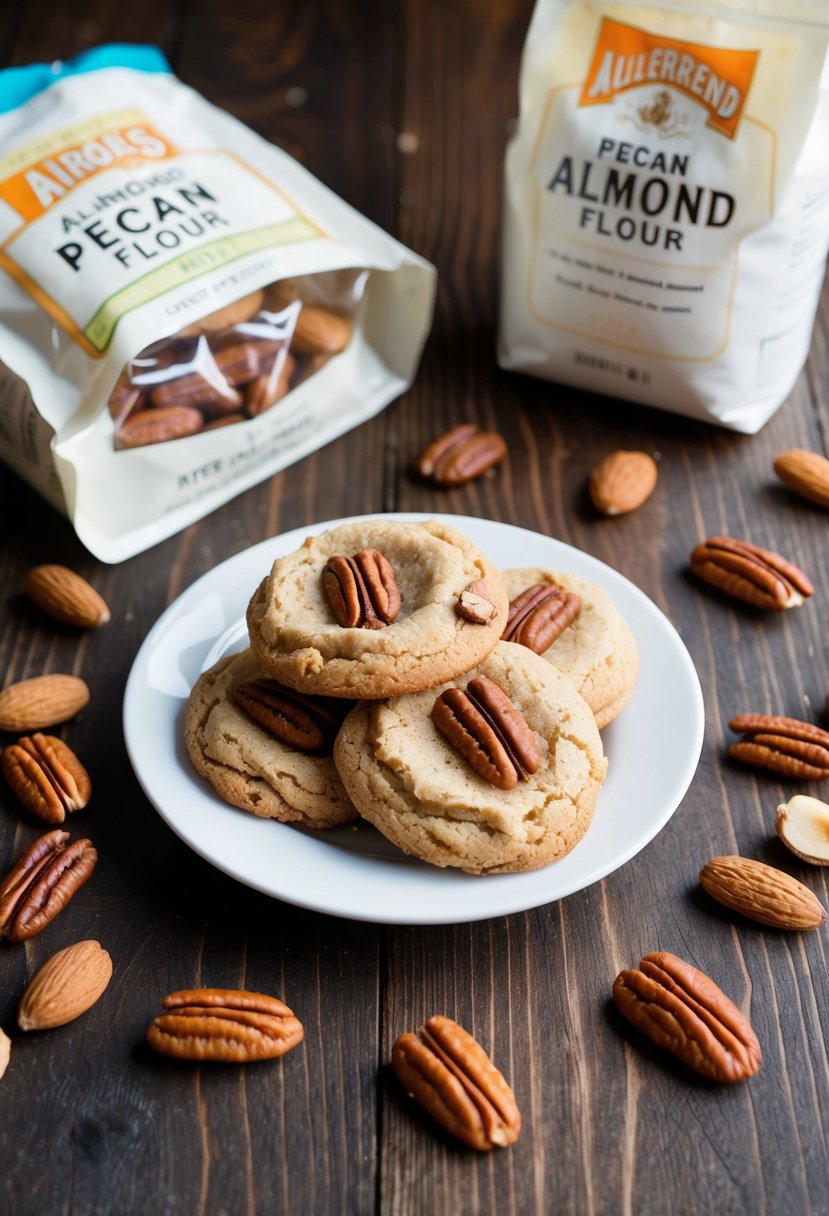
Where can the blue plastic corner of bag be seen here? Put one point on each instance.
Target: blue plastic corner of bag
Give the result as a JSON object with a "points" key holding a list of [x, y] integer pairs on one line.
{"points": [[19, 85]]}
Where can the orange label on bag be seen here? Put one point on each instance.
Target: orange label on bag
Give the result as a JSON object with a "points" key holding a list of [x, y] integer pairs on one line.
{"points": [[35, 177], [627, 57]]}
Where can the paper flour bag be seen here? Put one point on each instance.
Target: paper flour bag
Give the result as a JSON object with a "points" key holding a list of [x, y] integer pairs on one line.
{"points": [[667, 202], [183, 308]]}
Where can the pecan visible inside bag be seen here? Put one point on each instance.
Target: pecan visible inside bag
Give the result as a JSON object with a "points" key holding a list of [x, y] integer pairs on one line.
{"points": [[232, 365]]}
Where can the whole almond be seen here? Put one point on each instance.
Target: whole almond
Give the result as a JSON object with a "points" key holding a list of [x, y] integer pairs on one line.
{"points": [[319, 331], [761, 893], [806, 473], [622, 482], [67, 596], [65, 987], [42, 701], [5, 1051]]}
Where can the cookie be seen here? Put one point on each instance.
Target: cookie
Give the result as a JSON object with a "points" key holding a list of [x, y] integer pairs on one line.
{"points": [[296, 634], [247, 766], [596, 649], [405, 777]]}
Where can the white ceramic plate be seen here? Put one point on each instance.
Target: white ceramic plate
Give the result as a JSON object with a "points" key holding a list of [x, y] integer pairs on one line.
{"points": [[652, 749]]}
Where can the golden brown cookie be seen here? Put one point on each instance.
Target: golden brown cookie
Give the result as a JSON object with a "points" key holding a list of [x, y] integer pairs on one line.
{"points": [[596, 649], [296, 634], [247, 766], [406, 778]]}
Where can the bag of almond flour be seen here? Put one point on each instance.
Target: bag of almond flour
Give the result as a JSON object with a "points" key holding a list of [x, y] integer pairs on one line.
{"points": [[183, 308], [667, 202]]}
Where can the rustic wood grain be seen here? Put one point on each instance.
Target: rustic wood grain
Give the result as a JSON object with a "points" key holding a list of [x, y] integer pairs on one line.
{"points": [[404, 110]]}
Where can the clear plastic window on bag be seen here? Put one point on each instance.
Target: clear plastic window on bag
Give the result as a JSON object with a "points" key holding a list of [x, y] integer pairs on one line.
{"points": [[234, 364]]}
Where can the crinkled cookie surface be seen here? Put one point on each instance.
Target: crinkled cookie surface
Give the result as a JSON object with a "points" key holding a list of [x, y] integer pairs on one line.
{"points": [[246, 766], [406, 779], [597, 650], [297, 638]]}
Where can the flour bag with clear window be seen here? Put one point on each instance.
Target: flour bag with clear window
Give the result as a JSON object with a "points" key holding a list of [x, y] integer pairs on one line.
{"points": [[667, 202], [183, 308]]}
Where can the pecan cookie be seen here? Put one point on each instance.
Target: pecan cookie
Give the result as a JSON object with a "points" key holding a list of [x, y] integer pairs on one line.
{"points": [[289, 776], [376, 609], [576, 626], [501, 775]]}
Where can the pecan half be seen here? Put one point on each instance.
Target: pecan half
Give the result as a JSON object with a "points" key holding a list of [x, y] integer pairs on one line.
{"points": [[159, 426], [762, 893], [305, 723], [461, 454], [66, 595], [46, 776], [681, 1009], [784, 745], [41, 883], [453, 1078], [489, 731], [747, 572], [361, 590], [237, 362], [195, 391], [474, 604], [539, 615], [224, 1025]]}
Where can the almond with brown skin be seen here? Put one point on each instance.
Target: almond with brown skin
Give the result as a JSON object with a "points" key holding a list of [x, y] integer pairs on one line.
{"points": [[319, 331], [761, 893], [42, 701], [622, 482], [67, 596], [807, 473], [65, 987]]}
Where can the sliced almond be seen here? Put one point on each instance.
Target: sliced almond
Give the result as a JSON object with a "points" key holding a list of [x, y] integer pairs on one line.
{"points": [[762, 893], [5, 1051], [66, 596], [65, 987], [803, 825], [42, 701]]}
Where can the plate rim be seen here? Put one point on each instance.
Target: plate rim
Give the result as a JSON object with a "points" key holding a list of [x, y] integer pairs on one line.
{"points": [[504, 883]]}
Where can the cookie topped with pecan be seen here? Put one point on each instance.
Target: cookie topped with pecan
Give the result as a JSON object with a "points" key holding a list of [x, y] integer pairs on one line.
{"points": [[576, 626], [376, 609], [265, 748], [495, 772]]}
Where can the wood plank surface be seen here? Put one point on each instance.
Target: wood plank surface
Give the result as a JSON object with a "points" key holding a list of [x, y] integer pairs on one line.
{"points": [[404, 110]]}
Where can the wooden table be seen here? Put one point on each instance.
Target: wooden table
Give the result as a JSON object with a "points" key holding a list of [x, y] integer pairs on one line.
{"points": [[91, 1122]]}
